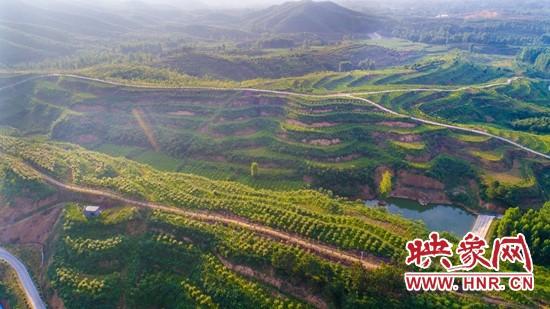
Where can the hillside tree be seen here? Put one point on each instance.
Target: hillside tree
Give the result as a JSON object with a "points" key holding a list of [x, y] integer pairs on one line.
{"points": [[385, 185], [254, 169]]}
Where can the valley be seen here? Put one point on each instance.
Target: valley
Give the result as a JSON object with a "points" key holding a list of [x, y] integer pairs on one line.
{"points": [[211, 155]]}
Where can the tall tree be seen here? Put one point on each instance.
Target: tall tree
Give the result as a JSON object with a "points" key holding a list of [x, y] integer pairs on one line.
{"points": [[385, 184], [254, 169]]}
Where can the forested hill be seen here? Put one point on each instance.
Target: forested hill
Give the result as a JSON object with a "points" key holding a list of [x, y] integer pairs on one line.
{"points": [[312, 17]]}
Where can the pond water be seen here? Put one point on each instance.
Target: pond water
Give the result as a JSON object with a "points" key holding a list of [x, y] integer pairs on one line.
{"points": [[436, 217]]}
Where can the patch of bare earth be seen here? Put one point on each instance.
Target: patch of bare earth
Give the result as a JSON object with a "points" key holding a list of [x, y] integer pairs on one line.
{"points": [[407, 138], [367, 193], [218, 158], [300, 292], [484, 14], [86, 139], [322, 141], [420, 188], [56, 302], [323, 124], [320, 111], [243, 132], [203, 129], [423, 158], [397, 124], [20, 206], [181, 113], [345, 158], [33, 229]]}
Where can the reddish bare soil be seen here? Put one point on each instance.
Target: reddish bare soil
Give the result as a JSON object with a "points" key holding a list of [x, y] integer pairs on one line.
{"points": [[409, 138], [323, 124], [320, 111], [485, 14], [397, 124], [420, 188], [86, 139], [366, 193], [55, 302], [21, 206], [32, 229]]}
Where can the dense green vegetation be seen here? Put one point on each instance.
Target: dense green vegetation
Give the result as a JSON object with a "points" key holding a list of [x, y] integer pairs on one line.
{"points": [[13, 184], [537, 59], [516, 111], [498, 33], [199, 264], [335, 144], [10, 292], [304, 212], [534, 225], [298, 165]]}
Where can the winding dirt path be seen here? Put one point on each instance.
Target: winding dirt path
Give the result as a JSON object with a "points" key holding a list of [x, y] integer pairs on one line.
{"points": [[323, 250], [354, 96]]}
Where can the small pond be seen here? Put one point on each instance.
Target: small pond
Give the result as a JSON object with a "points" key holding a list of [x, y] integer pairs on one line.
{"points": [[436, 217]]}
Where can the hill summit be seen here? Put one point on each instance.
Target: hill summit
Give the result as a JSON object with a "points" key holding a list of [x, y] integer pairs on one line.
{"points": [[313, 17]]}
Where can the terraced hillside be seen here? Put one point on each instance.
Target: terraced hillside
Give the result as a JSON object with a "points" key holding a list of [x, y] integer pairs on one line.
{"points": [[235, 65], [518, 111], [309, 71], [182, 253], [270, 157], [138, 253], [339, 144]]}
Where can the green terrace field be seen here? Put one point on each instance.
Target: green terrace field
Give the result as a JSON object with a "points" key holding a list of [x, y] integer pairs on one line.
{"points": [[338, 144], [238, 65], [519, 111], [159, 259], [73, 164], [141, 256], [240, 157], [438, 71]]}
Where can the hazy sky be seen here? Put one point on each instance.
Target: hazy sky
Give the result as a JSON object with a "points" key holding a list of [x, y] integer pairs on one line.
{"points": [[254, 4]]}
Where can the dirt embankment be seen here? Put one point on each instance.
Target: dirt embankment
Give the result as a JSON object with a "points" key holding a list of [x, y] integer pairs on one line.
{"points": [[322, 124], [27, 221], [322, 141], [407, 138], [420, 188], [181, 113], [397, 124]]}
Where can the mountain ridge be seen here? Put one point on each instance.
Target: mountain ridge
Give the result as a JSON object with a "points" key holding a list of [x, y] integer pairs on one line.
{"points": [[313, 17]]}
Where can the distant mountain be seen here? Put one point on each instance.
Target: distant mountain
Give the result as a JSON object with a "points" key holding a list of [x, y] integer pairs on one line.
{"points": [[313, 17]]}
